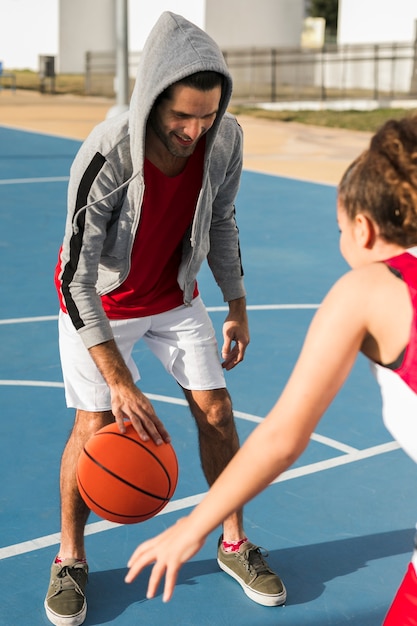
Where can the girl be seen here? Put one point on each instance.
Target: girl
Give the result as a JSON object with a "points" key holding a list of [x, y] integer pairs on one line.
{"points": [[372, 309]]}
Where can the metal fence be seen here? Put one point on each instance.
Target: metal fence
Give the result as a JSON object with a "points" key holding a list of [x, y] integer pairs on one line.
{"points": [[380, 71]]}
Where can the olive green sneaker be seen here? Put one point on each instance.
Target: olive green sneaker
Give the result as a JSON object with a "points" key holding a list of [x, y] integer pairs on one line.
{"points": [[65, 602], [248, 566]]}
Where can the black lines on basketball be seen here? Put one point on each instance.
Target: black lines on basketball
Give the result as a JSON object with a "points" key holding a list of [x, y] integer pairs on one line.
{"points": [[124, 479]]}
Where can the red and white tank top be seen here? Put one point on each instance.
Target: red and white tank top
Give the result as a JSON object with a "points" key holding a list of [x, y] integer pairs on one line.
{"points": [[399, 383]]}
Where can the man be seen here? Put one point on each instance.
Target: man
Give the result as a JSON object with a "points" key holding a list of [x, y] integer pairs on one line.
{"points": [[151, 195]]}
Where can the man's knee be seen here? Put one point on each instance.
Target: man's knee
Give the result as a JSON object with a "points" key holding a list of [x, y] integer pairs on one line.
{"points": [[220, 414], [89, 422], [211, 408]]}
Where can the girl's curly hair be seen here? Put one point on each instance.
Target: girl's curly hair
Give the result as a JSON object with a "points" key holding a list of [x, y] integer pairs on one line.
{"points": [[382, 182]]}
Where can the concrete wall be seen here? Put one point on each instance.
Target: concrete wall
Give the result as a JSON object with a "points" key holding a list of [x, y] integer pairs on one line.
{"points": [[88, 25], [255, 23], [84, 25]]}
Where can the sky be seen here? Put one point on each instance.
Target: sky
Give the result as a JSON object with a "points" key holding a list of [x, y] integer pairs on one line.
{"points": [[29, 28]]}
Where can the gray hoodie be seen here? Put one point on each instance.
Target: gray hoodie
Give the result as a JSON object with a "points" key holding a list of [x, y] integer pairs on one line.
{"points": [[107, 185]]}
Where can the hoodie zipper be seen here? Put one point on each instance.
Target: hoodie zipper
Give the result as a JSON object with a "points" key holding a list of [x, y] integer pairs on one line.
{"points": [[193, 235], [135, 225]]}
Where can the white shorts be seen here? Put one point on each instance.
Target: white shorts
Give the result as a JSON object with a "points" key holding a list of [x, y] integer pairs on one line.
{"points": [[183, 339]]}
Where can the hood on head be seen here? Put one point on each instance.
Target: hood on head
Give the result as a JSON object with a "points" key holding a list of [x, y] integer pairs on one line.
{"points": [[174, 49]]}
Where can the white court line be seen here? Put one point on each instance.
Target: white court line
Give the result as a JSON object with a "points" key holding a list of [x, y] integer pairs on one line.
{"points": [[25, 320], [350, 454], [327, 441], [191, 501], [210, 309], [267, 307], [30, 181]]}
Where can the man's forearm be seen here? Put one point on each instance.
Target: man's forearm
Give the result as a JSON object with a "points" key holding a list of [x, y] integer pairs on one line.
{"points": [[238, 306], [110, 363]]}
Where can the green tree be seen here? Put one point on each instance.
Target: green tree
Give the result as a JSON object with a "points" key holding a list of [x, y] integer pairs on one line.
{"points": [[327, 9]]}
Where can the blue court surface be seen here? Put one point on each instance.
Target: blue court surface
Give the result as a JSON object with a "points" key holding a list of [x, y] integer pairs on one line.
{"points": [[338, 525]]}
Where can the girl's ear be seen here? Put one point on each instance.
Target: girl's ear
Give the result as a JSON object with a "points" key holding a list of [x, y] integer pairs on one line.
{"points": [[365, 231]]}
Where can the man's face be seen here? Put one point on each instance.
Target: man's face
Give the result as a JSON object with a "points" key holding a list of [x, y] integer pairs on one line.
{"points": [[179, 122]]}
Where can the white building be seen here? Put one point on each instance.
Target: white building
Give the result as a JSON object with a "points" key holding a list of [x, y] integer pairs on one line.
{"points": [[376, 21], [364, 26], [89, 25], [391, 27], [255, 23]]}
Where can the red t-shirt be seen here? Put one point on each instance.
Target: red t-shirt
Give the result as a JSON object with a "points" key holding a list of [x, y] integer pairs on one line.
{"points": [[167, 212]]}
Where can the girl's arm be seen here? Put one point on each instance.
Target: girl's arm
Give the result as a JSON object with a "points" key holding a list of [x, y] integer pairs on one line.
{"points": [[332, 343]]}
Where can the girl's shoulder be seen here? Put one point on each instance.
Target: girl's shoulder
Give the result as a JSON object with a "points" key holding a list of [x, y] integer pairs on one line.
{"points": [[361, 277], [360, 288]]}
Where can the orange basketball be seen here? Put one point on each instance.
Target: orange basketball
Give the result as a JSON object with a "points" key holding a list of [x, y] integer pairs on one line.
{"points": [[124, 479]]}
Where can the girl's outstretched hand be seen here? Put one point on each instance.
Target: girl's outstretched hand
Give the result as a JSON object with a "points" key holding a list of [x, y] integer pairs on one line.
{"points": [[168, 551]]}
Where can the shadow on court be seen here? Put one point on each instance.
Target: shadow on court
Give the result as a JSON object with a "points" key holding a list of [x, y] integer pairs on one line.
{"points": [[109, 595]]}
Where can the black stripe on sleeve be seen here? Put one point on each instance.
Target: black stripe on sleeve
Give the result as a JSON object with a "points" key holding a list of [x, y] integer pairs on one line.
{"points": [[75, 244]]}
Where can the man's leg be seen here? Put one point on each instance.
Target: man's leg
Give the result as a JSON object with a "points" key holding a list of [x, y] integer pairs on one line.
{"points": [[74, 512], [185, 342], [218, 441], [65, 601]]}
